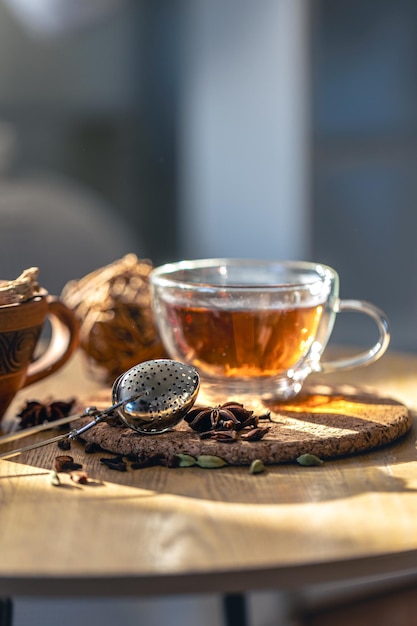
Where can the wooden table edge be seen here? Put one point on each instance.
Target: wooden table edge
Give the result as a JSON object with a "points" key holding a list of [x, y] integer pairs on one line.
{"points": [[281, 578]]}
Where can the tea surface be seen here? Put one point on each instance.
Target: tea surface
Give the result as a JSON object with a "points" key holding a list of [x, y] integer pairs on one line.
{"points": [[243, 343]]}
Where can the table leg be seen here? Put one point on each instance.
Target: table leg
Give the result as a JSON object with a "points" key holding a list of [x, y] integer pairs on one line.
{"points": [[234, 606], [6, 612]]}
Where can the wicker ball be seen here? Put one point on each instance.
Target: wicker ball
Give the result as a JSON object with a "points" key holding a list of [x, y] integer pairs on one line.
{"points": [[113, 306]]}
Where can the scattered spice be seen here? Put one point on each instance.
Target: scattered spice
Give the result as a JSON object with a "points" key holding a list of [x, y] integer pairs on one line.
{"points": [[309, 459], [141, 461], [35, 413], [256, 467], [186, 460], [79, 476], [209, 461], [255, 434], [265, 416], [91, 447], [64, 444], [225, 436], [170, 460], [227, 422], [227, 416], [140, 464], [65, 463], [115, 463]]}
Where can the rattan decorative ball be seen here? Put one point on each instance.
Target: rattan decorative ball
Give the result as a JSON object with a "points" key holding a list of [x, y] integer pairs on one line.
{"points": [[113, 306]]}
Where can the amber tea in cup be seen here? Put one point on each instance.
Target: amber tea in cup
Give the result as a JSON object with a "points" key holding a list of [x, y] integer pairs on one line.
{"points": [[254, 327]]}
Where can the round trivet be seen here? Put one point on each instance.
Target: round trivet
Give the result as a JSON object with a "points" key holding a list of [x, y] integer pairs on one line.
{"points": [[325, 421]]}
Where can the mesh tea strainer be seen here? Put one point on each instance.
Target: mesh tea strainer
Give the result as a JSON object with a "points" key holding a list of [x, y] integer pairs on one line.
{"points": [[165, 391], [151, 398]]}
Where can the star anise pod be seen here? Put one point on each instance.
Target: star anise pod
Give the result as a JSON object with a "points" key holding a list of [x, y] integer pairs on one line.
{"points": [[227, 416], [35, 413], [224, 436], [255, 434]]}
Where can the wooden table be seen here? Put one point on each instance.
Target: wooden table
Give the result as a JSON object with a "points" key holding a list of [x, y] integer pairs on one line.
{"points": [[191, 530]]}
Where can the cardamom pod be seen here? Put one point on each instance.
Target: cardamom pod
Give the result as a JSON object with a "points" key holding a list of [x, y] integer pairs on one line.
{"points": [[186, 460], [309, 459], [256, 467], [210, 462]]}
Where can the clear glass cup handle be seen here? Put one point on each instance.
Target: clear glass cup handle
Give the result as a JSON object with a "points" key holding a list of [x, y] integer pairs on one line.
{"points": [[368, 356]]}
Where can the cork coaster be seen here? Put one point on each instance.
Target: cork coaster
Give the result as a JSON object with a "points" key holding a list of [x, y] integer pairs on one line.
{"points": [[325, 421]]}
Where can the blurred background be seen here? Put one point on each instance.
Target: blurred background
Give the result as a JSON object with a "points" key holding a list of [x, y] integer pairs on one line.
{"points": [[178, 129], [191, 128]]}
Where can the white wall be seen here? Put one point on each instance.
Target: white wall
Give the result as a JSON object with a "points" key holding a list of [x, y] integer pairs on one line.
{"points": [[244, 166]]}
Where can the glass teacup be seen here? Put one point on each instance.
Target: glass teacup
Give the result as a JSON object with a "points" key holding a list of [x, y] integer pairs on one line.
{"points": [[254, 327]]}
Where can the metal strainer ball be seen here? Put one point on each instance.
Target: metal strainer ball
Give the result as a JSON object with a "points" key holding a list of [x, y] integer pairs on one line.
{"points": [[150, 398], [165, 391]]}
